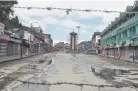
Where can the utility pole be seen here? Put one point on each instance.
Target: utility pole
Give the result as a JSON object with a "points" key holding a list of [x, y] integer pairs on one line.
{"points": [[133, 51], [78, 38], [21, 37]]}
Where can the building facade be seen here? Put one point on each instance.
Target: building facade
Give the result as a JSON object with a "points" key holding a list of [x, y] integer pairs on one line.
{"points": [[4, 39], [49, 42], [96, 41], [119, 39], [84, 46], [22, 41], [60, 46]]}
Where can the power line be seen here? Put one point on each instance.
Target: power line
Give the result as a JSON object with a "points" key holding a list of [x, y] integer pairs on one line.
{"points": [[66, 9]]}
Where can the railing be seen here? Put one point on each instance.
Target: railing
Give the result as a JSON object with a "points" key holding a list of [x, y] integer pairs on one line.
{"points": [[125, 26]]}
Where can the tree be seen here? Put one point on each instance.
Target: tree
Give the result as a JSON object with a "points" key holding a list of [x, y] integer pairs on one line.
{"points": [[15, 22], [6, 11]]}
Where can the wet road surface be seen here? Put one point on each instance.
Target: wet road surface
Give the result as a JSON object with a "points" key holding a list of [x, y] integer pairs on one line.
{"points": [[85, 69]]}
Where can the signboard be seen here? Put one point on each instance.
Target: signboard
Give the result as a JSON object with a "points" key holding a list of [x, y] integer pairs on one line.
{"points": [[4, 37], [2, 28]]}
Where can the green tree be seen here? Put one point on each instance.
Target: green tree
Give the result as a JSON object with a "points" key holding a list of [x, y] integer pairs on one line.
{"points": [[15, 22], [6, 11]]}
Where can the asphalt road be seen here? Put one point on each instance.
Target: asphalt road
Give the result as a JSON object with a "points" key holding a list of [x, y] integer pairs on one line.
{"points": [[70, 68]]}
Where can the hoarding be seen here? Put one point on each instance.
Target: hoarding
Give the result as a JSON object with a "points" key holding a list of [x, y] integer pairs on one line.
{"points": [[2, 26]]}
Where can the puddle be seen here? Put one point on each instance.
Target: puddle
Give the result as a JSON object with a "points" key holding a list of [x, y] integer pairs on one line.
{"points": [[52, 69], [108, 73], [31, 87]]}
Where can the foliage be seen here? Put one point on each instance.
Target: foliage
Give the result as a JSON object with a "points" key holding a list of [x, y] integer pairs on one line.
{"points": [[6, 12]]}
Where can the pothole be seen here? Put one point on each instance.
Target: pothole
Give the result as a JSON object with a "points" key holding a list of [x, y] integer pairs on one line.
{"points": [[108, 73], [42, 60]]}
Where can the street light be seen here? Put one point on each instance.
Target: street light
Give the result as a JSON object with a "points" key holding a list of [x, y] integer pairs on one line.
{"points": [[78, 37]]}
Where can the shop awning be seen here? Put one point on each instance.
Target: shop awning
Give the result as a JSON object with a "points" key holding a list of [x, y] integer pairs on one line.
{"points": [[15, 40]]}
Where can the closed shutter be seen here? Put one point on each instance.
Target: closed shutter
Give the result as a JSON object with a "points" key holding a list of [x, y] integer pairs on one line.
{"points": [[3, 48]]}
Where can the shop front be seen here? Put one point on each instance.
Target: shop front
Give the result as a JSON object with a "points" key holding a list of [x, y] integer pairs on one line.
{"points": [[4, 44]]}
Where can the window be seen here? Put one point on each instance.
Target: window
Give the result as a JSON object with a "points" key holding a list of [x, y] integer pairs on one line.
{"points": [[126, 33], [131, 33], [133, 30]]}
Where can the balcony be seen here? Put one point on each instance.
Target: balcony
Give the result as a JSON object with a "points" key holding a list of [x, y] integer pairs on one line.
{"points": [[124, 26]]}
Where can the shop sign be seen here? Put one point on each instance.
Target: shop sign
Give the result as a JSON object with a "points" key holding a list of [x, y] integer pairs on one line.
{"points": [[4, 37], [2, 28]]}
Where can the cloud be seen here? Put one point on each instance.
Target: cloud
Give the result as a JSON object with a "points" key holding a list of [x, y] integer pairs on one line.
{"points": [[99, 27], [50, 20], [84, 32], [69, 22], [56, 41]]}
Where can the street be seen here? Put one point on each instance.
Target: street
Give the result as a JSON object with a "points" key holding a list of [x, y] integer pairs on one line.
{"points": [[69, 45], [68, 68]]}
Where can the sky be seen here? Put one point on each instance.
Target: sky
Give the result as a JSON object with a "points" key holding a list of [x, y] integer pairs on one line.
{"points": [[59, 24]]}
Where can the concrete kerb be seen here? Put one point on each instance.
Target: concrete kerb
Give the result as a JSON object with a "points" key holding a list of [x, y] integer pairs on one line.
{"points": [[126, 60], [14, 59]]}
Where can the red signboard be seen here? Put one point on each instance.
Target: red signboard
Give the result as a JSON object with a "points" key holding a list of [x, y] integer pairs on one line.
{"points": [[4, 37]]}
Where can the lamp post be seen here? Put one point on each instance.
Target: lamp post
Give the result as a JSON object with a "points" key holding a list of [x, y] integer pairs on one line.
{"points": [[78, 38]]}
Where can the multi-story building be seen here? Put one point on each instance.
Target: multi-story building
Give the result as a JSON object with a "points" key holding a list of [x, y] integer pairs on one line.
{"points": [[119, 39], [60, 46], [67, 46], [96, 41], [49, 41], [84, 46]]}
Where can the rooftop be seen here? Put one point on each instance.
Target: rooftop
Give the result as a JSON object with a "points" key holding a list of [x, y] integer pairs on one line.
{"points": [[117, 19]]}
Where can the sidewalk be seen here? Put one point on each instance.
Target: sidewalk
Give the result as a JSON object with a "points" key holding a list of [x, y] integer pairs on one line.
{"points": [[16, 57], [127, 60]]}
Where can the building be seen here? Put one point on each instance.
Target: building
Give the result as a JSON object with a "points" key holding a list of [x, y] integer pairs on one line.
{"points": [[14, 42], [22, 41], [67, 46], [60, 46], [84, 46], [2, 26], [49, 40], [119, 39], [96, 41], [3, 41]]}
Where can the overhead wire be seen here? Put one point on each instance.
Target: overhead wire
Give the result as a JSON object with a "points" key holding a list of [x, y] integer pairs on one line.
{"points": [[66, 9]]}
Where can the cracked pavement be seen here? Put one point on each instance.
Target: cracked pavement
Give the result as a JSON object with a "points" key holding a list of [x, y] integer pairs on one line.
{"points": [[68, 68]]}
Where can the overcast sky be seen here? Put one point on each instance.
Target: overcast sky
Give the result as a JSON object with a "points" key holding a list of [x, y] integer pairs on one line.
{"points": [[59, 24]]}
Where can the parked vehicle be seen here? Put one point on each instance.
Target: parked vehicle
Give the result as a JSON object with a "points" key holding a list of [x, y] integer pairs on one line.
{"points": [[90, 52]]}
